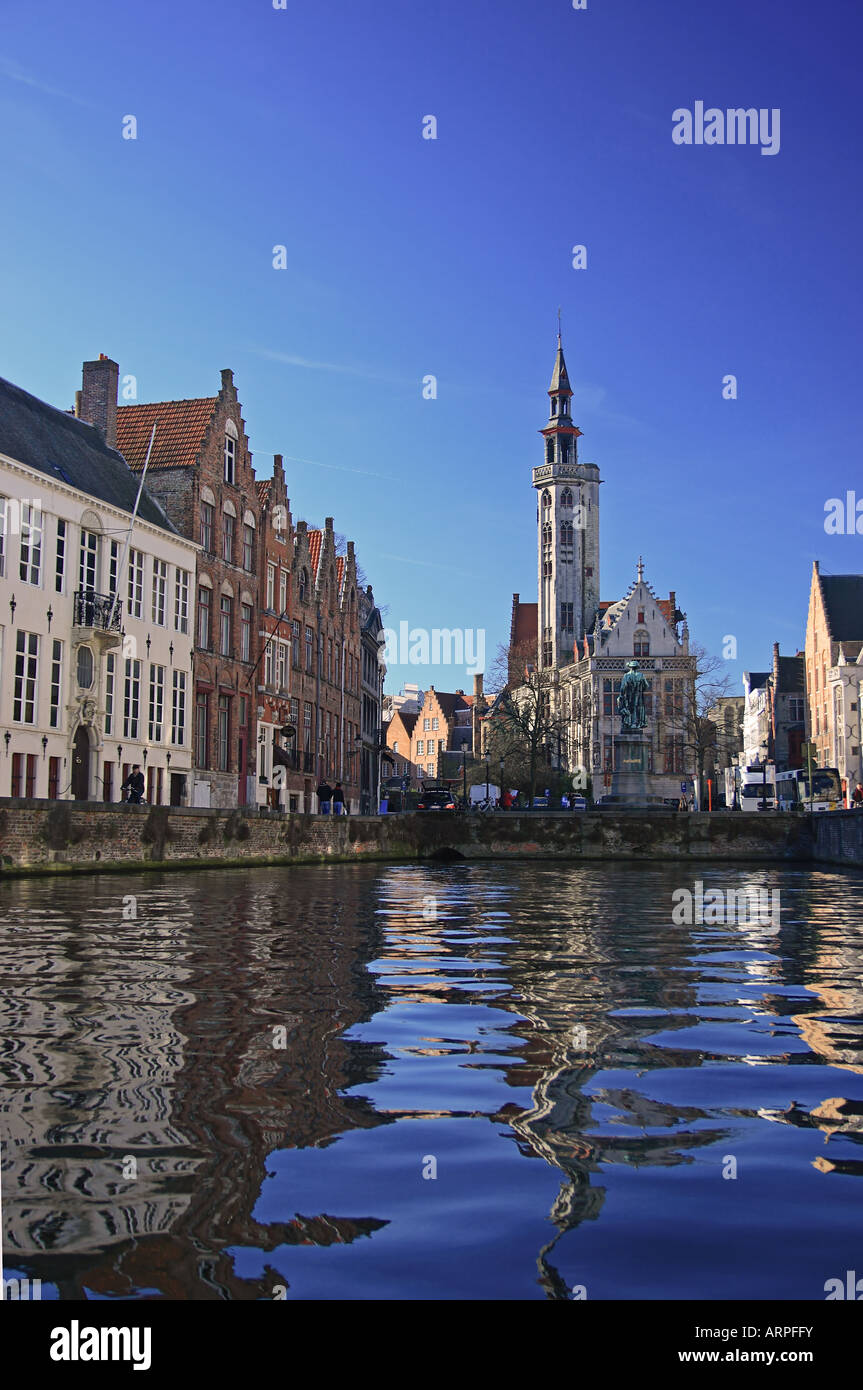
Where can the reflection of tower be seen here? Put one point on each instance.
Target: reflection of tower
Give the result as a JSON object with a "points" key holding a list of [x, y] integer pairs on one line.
{"points": [[568, 530]]}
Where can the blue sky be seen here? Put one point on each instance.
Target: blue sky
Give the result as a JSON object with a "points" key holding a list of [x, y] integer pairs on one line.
{"points": [[409, 257]]}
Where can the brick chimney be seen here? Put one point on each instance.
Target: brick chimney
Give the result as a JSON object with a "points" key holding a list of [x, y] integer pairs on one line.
{"points": [[477, 686], [96, 402]]}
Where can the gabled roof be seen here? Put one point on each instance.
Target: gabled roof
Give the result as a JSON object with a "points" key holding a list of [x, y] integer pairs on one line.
{"points": [[792, 675], [70, 451], [408, 720], [757, 679], [843, 600], [180, 431], [449, 701], [263, 485], [315, 543]]}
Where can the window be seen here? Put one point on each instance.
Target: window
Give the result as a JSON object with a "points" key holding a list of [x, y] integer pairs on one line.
{"points": [[110, 673], [547, 533], [57, 685], [546, 498], [430, 769], [641, 644], [3, 514], [795, 709], [248, 547], [229, 528], [202, 719], [430, 746], [610, 691], [136, 584], [26, 678], [566, 533], [207, 515], [132, 699], [673, 699], [283, 590], [303, 585], [223, 732], [295, 642], [226, 622], [310, 637], [84, 668], [30, 565], [271, 587], [269, 665], [674, 755], [435, 723], [426, 725], [59, 557], [230, 460], [246, 632], [566, 497], [567, 620], [181, 600], [157, 703], [420, 746], [88, 562], [549, 451], [205, 606], [641, 615], [107, 781], [113, 567], [160, 589], [282, 666]]}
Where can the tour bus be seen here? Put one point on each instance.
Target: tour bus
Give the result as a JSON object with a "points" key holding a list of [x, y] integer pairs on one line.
{"points": [[792, 790], [755, 790]]}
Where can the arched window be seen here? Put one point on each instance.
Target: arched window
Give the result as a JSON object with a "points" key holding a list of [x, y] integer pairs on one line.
{"points": [[549, 451], [564, 448], [641, 644], [303, 585], [546, 533], [566, 533], [566, 497], [546, 498]]}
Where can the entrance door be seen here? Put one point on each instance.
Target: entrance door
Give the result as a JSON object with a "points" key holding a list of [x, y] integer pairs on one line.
{"points": [[81, 765]]}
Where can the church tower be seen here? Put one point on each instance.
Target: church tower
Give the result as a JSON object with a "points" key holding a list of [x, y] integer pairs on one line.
{"points": [[568, 530]]}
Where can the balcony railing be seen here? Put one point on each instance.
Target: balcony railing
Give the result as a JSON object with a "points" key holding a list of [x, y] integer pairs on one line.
{"points": [[98, 611]]}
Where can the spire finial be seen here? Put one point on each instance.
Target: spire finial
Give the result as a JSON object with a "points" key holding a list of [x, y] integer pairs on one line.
{"points": [[640, 569], [558, 325]]}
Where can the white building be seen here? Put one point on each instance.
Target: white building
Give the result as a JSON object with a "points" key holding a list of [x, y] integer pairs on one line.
{"points": [[95, 620]]}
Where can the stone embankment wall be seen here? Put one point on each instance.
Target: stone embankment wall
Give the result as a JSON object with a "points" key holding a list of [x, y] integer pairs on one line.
{"points": [[68, 836], [838, 838]]}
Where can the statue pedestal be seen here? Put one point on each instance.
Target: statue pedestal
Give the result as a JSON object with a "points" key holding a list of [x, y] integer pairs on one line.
{"points": [[631, 781]]}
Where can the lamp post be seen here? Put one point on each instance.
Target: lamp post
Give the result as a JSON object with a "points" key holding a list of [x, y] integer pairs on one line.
{"points": [[358, 747], [463, 771]]}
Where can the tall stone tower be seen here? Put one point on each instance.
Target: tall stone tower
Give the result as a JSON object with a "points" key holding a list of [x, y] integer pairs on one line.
{"points": [[567, 530]]}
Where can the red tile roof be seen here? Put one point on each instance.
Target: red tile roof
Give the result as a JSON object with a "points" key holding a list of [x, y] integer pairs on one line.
{"points": [[180, 430], [664, 606], [315, 542]]}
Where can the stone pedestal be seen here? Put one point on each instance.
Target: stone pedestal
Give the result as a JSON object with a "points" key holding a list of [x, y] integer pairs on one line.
{"points": [[632, 781]]}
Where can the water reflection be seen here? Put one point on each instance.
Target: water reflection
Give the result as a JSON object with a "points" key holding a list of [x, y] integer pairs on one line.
{"points": [[470, 1081]]}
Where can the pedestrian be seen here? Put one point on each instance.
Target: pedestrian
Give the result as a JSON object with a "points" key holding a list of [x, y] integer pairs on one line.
{"points": [[506, 801], [325, 796], [857, 798], [134, 783], [338, 800]]}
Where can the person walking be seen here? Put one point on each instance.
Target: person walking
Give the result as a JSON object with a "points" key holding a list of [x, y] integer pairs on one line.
{"points": [[338, 800], [134, 783], [857, 797], [325, 796]]}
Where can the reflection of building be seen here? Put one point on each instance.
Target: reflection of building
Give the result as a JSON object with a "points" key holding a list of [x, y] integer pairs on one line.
{"points": [[172, 1060], [95, 638]]}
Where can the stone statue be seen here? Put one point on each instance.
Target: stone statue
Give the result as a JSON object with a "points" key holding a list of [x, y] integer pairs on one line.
{"points": [[630, 701]]}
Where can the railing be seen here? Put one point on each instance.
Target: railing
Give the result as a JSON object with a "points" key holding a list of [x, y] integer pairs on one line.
{"points": [[98, 610]]}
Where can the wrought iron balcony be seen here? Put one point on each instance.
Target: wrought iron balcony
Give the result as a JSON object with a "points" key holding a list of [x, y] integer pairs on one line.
{"points": [[99, 611]]}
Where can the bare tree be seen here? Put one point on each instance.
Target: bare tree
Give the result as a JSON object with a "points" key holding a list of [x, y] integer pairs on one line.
{"points": [[525, 725], [703, 686]]}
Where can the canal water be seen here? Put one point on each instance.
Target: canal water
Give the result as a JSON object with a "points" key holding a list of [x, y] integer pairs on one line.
{"points": [[502, 1081]]}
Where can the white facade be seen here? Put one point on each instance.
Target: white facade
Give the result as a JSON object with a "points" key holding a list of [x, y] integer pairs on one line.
{"points": [[638, 628], [88, 689]]}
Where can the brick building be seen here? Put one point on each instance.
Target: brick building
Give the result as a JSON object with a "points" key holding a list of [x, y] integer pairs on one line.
{"points": [[444, 721], [307, 681], [834, 671], [201, 472]]}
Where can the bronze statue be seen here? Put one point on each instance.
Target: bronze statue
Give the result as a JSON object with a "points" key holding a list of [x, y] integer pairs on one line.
{"points": [[630, 701]]}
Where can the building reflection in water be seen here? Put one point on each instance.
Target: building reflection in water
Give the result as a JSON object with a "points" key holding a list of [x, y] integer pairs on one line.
{"points": [[150, 1041]]}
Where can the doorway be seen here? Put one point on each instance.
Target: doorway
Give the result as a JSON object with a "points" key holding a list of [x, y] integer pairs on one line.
{"points": [[81, 764]]}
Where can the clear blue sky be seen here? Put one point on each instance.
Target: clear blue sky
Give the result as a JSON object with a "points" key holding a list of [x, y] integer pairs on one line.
{"points": [[406, 257]]}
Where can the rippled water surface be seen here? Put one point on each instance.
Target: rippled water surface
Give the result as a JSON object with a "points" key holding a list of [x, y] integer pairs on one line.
{"points": [[513, 1081]]}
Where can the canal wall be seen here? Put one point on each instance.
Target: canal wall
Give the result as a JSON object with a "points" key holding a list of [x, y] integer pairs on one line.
{"points": [[838, 838], [69, 837]]}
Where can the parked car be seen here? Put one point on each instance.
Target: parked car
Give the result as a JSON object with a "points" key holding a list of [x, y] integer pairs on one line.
{"points": [[540, 801], [578, 803], [436, 799]]}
